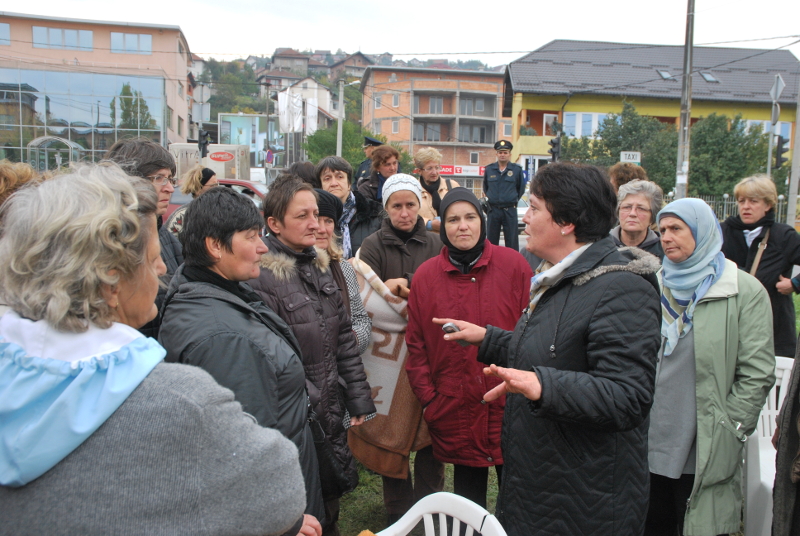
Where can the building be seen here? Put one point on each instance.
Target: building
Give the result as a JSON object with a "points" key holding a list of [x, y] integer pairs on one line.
{"points": [[353, 65], [312, 90], [288, 59], [70, 87], [578, 83], [271, 82], [455, 111], [315, 66]]}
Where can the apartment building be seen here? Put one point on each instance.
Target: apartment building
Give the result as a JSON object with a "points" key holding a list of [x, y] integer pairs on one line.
{"points": [[69, 88], [458, 112]]}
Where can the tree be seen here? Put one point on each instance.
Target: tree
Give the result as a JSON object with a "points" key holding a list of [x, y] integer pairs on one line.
{"points": [[134, 112], [323, 143]]}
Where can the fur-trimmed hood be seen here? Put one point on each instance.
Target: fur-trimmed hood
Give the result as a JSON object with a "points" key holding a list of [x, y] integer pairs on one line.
{"points": [[284, 265], [641, 263]]}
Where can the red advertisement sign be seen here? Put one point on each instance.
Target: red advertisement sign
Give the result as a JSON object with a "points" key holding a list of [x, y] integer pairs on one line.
{"points": [[221, 156]]}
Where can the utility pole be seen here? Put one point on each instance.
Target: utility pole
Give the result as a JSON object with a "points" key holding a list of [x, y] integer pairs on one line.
{"points": [[682, 176], [791, 209], [339, 121]]}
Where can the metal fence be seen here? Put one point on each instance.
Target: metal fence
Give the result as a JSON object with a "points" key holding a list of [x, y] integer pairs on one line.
{"points": [[725, 205]]}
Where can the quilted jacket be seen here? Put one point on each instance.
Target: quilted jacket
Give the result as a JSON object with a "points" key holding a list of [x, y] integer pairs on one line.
{"points": [[576, 460]]}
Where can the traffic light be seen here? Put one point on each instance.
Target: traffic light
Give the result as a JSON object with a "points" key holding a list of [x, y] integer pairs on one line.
{"points": [[203, 139], [779, 150], [555, 150]]}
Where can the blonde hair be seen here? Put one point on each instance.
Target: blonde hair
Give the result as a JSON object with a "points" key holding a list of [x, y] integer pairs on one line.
{"points": [[426, 155], [757, 186], [13, 176], [190, 183], [335, 251], [61, 241]]}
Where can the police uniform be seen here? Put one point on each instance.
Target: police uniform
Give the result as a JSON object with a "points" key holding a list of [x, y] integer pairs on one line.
{"points": [[365, 168], [503, 190]]}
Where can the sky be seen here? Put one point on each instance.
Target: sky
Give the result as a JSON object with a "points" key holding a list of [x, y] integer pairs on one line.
{"points": [[230, 29]]}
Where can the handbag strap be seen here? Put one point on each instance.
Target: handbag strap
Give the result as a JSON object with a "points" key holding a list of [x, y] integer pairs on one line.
{"points": [[761, 247]]}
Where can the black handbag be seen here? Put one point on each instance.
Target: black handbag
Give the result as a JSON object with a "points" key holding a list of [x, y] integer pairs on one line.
{"points": [[332, 475]]}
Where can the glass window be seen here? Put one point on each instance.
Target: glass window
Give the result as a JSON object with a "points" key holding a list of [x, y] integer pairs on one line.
{"points": [[124, 43], [85, 38], [80, 83], [419, 131], [785, 129], [180, 126], [56, 82], [377, 126], [131, 43], [5, 34], [71, 39], [117, 42], [433, 132], [57, 110], [62, 38], [150, 113], [33, 108], [54, 35], [600, 120], [466, 106], [33, 79], [473, 158], [569, 124], [10, 78], [463, 133], [395, 127], [586, 125], [478, 134], [507, 129], [708, 77], [151, 87], [377, 101], [416, 104], [169, 118], [9, 109], [436, 105], [396, 100], [664, 74], [82, 110], [40, 37]]}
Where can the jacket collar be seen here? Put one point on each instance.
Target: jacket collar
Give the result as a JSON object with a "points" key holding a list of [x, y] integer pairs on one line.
{"points": [[282, 261], [486, 256], [388, 236], [649, 239], [593, 262], [726, 286]]}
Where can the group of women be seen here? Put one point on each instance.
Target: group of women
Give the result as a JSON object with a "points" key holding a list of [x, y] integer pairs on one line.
{"points": [[583, 383]]}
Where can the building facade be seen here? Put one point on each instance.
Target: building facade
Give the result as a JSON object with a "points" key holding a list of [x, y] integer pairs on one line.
{"points": [[70, 88], [457, 112]]}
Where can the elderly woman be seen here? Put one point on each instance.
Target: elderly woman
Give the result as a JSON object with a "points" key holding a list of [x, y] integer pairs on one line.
{"points": [[469, 273], [767, 249], [710, 388], [196, 181], [216, 322], [297, 283], [638, 202], [428, 160], [361, 216], [583, 359], [385, 162], [625, 172], [85, 401]]}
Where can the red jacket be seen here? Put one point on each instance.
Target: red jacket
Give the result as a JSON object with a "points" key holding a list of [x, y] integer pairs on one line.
{"points": [[446, 377]]}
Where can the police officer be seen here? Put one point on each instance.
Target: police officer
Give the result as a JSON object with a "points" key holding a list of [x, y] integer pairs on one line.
{"points": [[503, 185], [365, 167]]}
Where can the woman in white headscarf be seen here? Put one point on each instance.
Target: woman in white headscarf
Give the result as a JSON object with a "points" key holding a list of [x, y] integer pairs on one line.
{"points": [[709, 388]]}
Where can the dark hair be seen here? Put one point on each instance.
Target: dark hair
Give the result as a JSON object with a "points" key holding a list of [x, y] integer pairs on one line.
{"points": [[381, 154], [140, 157], [334, 163], [219, 214], [305, 172], [577, 194], [281, 193]]}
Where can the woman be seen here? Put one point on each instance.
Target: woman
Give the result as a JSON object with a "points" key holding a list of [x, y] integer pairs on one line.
{"points": [[214, 321], [710, 388], [624, 172], [394, 254], [360, 216], [385, 161], [297, 283], [196, 181], [88, 407], [428, 161], [330, 213], [755, 230], [637, 204], [582, 364], [449, 383]]}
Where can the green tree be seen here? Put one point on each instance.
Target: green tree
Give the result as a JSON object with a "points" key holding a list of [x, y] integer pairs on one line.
{"points": [[134, 112], [323, 143]]}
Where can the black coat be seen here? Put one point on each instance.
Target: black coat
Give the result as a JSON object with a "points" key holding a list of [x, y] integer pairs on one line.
{"points": [[367, 220], [576, 460], [779, 257], [172, 255]]}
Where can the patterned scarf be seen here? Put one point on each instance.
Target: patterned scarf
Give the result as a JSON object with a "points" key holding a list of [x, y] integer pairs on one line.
{"points": [[549, 274], [344, 225]]}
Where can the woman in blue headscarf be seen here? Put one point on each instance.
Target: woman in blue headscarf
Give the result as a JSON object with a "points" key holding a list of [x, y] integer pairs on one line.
{"points": [[714, 373]]}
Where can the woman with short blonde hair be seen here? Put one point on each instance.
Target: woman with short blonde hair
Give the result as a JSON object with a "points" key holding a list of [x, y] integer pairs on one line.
{"points": [[428, 161]]}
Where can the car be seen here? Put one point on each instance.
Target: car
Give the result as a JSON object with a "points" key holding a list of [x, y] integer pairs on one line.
{"points": [[254, 190], [522, 208]]}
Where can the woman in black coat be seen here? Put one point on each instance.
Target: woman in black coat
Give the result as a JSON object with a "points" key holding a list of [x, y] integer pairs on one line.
{"points": [[742, 236], [581, 367]]}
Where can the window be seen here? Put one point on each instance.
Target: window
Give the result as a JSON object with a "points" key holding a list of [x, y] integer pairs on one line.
{"points": [[463, 133], [305, 85], [586, 124], [395, 126], [664, 74], [433, 132], [61, 38], [122, 43], [570, 119], [416, 104], [478, 105], [419, 132], [577, 125], [169, 117], [396, 100], [436, 105], [377, 126], [180, 126], [180, 89], [548, 124], [393, 77], [466, 107], [5, 34], [708, 77], [474, 158], [378, 101], [507, 129], [478, 134]]}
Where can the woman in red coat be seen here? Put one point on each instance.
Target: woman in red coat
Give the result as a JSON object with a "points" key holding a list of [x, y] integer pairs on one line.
{"points": [[489, 285]]}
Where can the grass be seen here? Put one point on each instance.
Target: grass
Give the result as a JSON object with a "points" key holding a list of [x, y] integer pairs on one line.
{"points": [[363, 508]]}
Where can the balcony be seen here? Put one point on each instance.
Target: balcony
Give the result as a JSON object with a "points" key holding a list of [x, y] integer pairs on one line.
{"points": [[533, 145]]}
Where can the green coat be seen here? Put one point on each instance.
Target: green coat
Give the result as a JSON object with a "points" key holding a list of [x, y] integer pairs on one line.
{"points": [[735, 369]]}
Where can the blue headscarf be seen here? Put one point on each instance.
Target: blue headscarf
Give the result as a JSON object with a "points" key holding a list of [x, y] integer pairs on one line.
{"points": [[686, 282]]}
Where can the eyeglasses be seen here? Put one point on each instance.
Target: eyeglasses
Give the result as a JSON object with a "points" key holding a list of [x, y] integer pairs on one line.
{"points": [[433, 168], [627, 209], [161, 180]]}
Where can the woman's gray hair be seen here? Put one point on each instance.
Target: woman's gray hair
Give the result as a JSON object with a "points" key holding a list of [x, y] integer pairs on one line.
{"points": [[650, 190], [63, 240]]}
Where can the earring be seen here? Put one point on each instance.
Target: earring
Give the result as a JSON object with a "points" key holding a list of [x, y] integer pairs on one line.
{"points": [[563, 233], [114, 305]]}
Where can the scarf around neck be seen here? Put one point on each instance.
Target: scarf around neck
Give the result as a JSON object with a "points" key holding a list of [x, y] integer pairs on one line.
{"points": [[462, 259], [735, 222], [344, 225], [433, 189], [548, 275]]}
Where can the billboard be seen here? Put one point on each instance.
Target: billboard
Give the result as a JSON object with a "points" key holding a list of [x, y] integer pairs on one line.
{"points": [[246, 129]]}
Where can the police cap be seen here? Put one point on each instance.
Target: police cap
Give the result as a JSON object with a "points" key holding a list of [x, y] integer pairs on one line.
{"points": [[503, 145], [371, 141]]}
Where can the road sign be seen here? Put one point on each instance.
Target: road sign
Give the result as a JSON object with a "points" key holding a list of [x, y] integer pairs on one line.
{"points": [[631, 157], [777, 88], [776, 113]]}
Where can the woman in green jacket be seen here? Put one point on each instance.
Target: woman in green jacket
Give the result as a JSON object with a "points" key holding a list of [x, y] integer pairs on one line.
{"points": [[714, 374]]}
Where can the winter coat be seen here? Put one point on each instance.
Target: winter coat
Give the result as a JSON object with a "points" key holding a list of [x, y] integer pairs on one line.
{"points": [[786, 510], [426, 209], [371, 186], [107, 439], [735, 369], [249, 349], [446, 378], [172, 255], [300, 288], [576, 459], [390, 258], [780, 256], [368, 218], [651, 243]]}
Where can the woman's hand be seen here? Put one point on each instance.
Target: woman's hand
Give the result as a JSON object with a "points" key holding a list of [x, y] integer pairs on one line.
{"points": [[398, 287], [471, 333], [524, 382], [358, 420], [784, 285], [311, 526]]}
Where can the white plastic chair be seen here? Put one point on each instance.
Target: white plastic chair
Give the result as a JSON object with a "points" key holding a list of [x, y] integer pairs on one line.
{"points": [[760, 456], [441, 505]]}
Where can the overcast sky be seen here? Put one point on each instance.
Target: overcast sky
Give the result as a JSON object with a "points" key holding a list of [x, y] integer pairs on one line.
{"points": [[227, 29]]}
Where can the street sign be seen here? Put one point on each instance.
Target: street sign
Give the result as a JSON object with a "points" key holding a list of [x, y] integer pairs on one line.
{"points": [[631, 157], [776, 113], [777, 88]]}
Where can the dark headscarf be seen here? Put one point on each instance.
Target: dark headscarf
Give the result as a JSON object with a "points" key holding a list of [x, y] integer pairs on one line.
{"points": [[463, 260], [206, 175], [329, 205]]}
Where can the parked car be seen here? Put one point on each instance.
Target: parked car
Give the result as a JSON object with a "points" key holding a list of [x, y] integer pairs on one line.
{"points": [[522, 208], [254, 190]]}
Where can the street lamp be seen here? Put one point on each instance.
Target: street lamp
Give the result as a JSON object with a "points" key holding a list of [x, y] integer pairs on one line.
{"points": [[341, 114]]}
